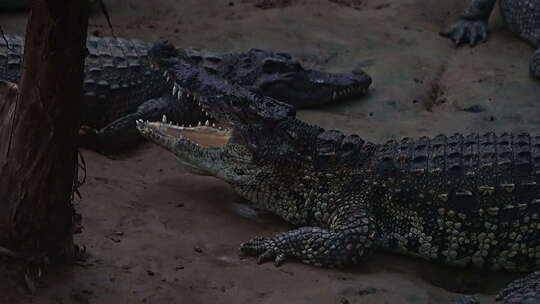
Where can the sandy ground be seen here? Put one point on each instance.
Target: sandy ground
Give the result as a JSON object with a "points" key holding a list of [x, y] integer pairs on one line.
{"points": [[156, 234]]}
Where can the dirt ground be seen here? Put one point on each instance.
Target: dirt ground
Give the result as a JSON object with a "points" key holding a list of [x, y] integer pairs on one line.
{"points": [[156, 234]]}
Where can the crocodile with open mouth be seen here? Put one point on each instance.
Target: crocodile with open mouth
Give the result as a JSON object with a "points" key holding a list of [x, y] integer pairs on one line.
{"points": [[465, 200], [120, 86]]}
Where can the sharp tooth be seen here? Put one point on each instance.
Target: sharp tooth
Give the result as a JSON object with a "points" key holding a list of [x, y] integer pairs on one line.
{"points": [[179, 94], [213, 125], [207, 123], [165, 74], [164, 118], [174, 90], [190, 126], [334, 95], [199, 124]]}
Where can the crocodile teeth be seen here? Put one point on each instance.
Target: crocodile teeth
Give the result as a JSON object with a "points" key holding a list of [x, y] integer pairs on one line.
{"points": [[207, 123], [164, 118], [213, 125], [164, 74], [334, 95], [199, 124], [174, 90], [179, 96]]}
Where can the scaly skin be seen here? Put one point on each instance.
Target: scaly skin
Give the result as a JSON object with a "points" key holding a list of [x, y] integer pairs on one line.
{"points": [[119, 82], [521, 16], [120, 85], [464, 200]]}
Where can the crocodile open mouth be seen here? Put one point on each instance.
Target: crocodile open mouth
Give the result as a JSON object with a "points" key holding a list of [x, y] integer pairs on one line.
{"points": [[203, 135], [193, 146]]}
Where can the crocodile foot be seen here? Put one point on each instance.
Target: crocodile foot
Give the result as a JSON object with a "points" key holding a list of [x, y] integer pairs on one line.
{"points": [[347, 244], [467, 31], [265, 249]]}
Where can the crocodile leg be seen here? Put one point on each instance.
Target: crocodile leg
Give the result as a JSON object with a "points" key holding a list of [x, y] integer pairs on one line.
{"points": [[347, 241], [472, 27], [121, 133], [534, 64]]}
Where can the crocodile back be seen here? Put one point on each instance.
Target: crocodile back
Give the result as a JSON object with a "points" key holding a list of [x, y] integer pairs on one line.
{"points": [[523, 18], [118, 79], [464, 199], [118, 76]]}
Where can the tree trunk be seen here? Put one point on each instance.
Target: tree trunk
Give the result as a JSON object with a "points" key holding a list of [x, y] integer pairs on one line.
{"points": [[38, 160]]}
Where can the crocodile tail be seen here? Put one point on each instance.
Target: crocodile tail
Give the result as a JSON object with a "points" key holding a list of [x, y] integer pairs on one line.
{"points": [[534, 64]]}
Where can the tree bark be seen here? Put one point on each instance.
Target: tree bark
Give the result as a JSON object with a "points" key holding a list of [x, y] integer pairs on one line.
{"points": [[38, 160]]}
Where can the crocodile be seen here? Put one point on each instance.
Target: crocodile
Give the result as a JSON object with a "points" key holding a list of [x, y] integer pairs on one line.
{"points": [[465, 200], [522, 17], [121, 86]]}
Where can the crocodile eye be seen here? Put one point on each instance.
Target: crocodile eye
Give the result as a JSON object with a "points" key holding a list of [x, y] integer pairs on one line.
{"points": [[239, 171]]}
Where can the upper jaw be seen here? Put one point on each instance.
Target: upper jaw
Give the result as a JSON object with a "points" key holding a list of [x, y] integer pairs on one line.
{"points": [[227, 103], [171, 136]]}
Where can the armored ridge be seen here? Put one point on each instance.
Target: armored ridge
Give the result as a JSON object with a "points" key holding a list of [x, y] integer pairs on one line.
{"points": [[464, 200], [521, 16], [119, 87], [118, 77]]}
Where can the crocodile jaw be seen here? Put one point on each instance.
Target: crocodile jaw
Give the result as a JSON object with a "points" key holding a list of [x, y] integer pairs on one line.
{"points": [[197, 148]]}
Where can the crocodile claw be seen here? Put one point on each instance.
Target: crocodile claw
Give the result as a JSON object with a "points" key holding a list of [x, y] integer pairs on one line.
{"points": [[467, 31], [265, 249]]}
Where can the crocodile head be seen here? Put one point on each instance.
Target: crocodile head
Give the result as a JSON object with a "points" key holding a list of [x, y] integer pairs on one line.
{"points": [[281, 77], [276, 75], [257, 143], [206, 148]]}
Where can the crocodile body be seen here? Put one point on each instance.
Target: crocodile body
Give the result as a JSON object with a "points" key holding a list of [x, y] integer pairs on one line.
{"points": [[118, 77], [120, 85], [464, 200], [521, 16], [118, 81]]}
